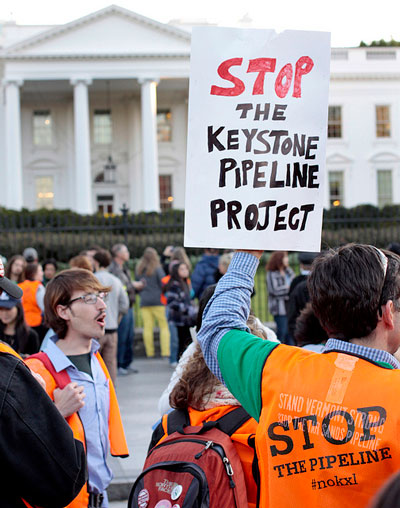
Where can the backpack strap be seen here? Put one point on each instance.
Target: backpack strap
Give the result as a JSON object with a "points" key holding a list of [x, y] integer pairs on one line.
{"points": [[232, 421], [228, 424], [176, 419], [61, 378]]}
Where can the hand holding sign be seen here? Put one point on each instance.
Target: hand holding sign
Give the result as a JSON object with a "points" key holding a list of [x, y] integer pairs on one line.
{"points": [[257, 134]]}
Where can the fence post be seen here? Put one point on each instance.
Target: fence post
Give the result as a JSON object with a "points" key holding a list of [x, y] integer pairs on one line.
{"points": [[124, 211]]}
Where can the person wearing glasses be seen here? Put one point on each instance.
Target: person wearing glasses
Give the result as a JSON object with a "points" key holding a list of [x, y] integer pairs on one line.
{"points": [[76, 376], [41, 462], [328, 432]]}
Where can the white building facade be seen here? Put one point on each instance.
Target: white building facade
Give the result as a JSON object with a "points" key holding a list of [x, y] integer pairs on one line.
{"points": [[94, 116]]}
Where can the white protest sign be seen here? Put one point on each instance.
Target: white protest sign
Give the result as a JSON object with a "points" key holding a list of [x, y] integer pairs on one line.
{"points": [[258, 107]]}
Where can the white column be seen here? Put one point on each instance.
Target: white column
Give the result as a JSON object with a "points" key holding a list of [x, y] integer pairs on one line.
{"points": [[83, 175], [13, 177], [150, 186], [134, 155]]}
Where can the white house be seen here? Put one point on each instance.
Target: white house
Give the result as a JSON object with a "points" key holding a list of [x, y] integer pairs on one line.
{"points": [[94, 116]]}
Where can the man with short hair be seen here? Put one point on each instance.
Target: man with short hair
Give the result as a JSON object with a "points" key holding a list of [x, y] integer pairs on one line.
{"points": [[90, 252], [77, 378], [30, 254], [117, 306], [328, 423], [298, 291], [205, 271], [41, 462], [126, 328]]}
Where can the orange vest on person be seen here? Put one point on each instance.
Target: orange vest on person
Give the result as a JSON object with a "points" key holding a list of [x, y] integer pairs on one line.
{"points": [[328, 433], [240, 439], [5, 348], [32, 311], [164, 282], [116, 434]]}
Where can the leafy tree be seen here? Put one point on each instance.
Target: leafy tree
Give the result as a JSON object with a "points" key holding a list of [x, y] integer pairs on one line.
{"points": [[381, 43]]}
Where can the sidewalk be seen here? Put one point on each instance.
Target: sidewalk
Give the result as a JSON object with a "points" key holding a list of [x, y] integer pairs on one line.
{"points": [[138, 396]]}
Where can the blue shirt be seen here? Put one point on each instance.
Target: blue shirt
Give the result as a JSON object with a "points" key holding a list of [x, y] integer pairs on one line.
{"points": [[376, 355], [229, 308], [94, 414]]}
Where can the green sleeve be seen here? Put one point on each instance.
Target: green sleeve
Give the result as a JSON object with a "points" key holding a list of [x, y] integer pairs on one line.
{"points": [[241, 358]]}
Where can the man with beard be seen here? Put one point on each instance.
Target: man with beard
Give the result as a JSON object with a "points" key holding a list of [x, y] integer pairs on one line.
{"points": [[77, 378]]}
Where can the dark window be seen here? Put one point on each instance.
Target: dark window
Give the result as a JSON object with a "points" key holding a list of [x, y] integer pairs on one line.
{"points": [[382, 121], [336, 188], [335, 122], [105, 204], [166, 198]]}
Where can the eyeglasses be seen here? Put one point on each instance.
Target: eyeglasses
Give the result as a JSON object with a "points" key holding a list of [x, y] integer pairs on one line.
{"points": [[90, 299]]}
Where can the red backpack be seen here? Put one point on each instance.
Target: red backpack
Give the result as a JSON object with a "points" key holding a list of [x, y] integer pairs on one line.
{"points": [[193, 467]]}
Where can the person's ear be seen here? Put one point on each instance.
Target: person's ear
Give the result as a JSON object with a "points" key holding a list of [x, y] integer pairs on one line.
{"points": [[62, 312], [388, 311]]}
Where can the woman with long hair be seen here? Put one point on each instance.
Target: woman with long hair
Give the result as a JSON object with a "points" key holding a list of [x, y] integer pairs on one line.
{"points": [[279, 277], [15, 269], [150, 273], [13, 328], [181, 312], [178, 254], [205, 398]]}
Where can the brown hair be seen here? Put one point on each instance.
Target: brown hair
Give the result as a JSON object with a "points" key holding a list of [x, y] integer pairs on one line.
{"points": [[148, 263], [81, 262], [348, 288], [103, 257], [197, 382], [179, 254], [31, 271], [275, 262], [59, 291], [308, 329], [8, 268]]}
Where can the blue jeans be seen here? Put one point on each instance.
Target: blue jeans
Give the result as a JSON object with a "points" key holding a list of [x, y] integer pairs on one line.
{"points": [[174, 342], [282, 330], [126, 333]]}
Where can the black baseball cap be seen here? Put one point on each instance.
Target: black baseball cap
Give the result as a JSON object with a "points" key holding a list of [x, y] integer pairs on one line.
{"points": [[9, 287]]}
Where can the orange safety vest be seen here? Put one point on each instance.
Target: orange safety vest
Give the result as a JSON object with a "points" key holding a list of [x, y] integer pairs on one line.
{"points": [[116, 434], [241, 439], [164, 282], [5, 348], [328, 433], [32, 311]]}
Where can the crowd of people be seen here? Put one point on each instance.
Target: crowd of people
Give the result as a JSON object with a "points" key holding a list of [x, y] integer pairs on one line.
{"points": [[320, 422]]}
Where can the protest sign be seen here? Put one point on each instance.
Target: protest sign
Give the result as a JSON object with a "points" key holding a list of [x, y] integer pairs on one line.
{"points": [[258, 107]]}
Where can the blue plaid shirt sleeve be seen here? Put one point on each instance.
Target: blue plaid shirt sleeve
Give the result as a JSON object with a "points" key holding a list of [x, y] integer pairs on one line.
{"points": [[228, 308]]}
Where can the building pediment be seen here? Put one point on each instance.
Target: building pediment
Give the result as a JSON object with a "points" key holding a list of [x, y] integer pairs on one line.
{"points": [[383, 157], [338, 158], [112, 31]]}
